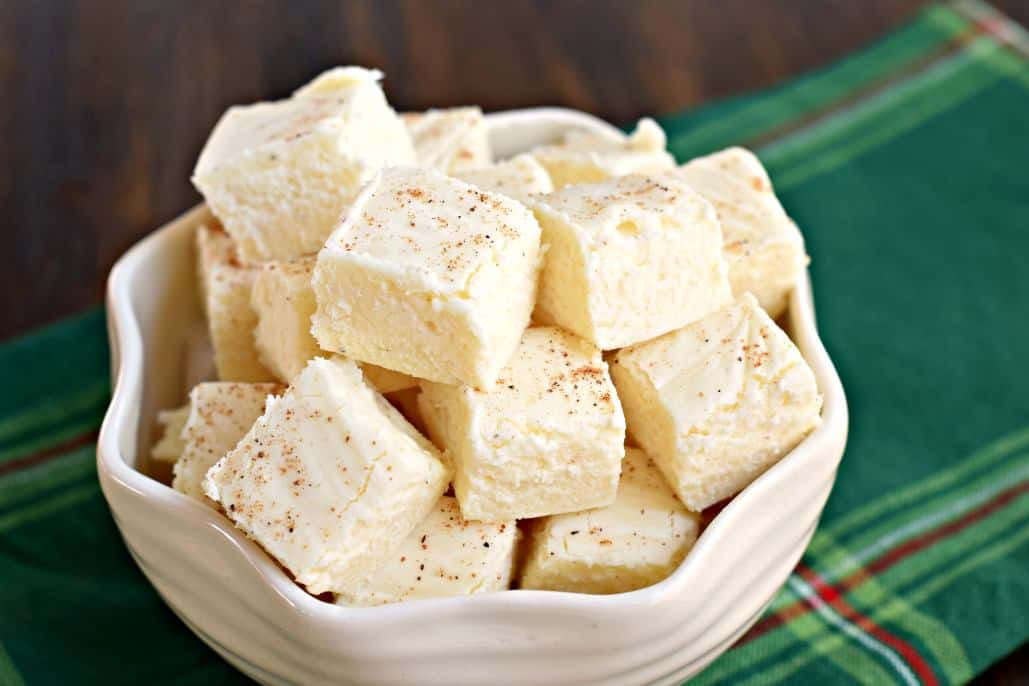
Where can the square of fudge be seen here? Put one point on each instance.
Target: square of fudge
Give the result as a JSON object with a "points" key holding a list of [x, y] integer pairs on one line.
{"points": [[220, 414], [445, 555], [429, 276], [284, 301], [226, 283], [449, 140], [629, 258], [634, 542], [763, 247], [546, 437], [718, 402], [169, 447], [279, 174], [330, 479], [519, 177], [592, 157]]}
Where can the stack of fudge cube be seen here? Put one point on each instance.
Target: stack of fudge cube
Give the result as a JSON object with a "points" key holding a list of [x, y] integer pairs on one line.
{"points": [[444, 374]]}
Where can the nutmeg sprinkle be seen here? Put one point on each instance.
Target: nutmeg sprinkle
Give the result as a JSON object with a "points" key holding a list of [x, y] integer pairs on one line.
{"points": [[434, 224]]}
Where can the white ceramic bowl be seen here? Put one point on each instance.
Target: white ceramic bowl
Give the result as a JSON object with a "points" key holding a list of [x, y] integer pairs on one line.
{"points": [[235, 598]]}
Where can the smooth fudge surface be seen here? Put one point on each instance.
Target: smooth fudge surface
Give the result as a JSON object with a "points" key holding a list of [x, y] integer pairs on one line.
{"points": [[634, 542], [429, 276], [330, 479], [546, 437], [629, 258], [718, 402], [279, 174]]}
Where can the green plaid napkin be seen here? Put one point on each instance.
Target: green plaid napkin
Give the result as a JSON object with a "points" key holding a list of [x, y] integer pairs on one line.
{"points": [[905, 167]]}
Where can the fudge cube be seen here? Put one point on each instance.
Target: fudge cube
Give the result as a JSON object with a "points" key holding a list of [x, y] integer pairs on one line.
{"points": [[284, 302], [718, 402], [225, 292], [519, 177], [630, 258], [449, 140], [445, 555], [591, 157], [429, 276], [330, 479], [632, 543], [279, 174], [169, 447], [546, 437], [763, 247], [220, 414]]}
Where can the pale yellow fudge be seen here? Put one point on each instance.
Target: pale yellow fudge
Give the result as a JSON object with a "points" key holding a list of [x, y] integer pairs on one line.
{"points": [[632, 543], [445, 555], [284, 302], [450, 139], [429, 276], [279, 174], [519, 177], [546, 437], [330, 479], [226, 285], [591, 157], [763, 247], [169, 447], [220, 413], [718, 402], [629, 258]]}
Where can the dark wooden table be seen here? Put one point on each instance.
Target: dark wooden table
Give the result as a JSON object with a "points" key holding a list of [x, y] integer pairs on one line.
{"points": [[104, 105]]}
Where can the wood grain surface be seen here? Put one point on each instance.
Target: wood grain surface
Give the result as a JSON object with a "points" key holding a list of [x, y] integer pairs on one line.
{"points": [[104, 106]]}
